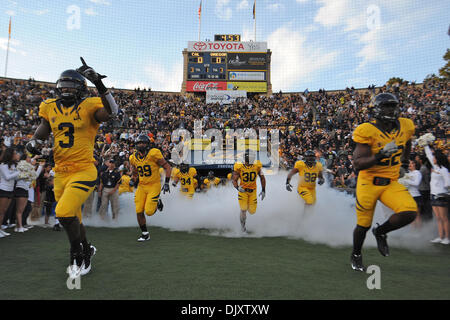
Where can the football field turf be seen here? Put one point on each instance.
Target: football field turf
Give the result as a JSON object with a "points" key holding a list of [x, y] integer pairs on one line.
{"points": [[182, 265]]}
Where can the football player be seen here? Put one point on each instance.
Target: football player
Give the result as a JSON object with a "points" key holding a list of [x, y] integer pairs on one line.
{"points": [[247, 173], [187, 176], [309, 172], [125, 185], [211, 180], [145, 164], [74, 119], [381, 147]]}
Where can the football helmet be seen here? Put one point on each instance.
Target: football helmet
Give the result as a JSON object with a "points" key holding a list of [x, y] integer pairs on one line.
{"points": [[310, 158], [71, 86], [184, 168], [210, 174], [385, 107], [142, 143]]}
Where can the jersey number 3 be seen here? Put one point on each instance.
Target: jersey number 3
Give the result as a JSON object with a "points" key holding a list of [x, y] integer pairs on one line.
{"points": [[69, 133]]}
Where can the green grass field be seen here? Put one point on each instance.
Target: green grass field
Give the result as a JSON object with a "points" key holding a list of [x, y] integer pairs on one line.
{"points": [[191, 266]]}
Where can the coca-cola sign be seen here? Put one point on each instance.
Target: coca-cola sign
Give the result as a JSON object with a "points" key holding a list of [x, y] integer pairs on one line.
{"points": [[202, 86]]}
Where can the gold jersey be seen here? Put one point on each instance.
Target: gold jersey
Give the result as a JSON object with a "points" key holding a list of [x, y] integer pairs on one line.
{"points": [[308, 175], [147, 166], [368, 133], [215, 181], [125, 184], [248, 173], [74, 130], [187, 180]]}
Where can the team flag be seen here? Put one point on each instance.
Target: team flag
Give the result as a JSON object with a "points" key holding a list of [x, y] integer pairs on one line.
{"points": [[254, 12], [9, 30], [200, 10]]}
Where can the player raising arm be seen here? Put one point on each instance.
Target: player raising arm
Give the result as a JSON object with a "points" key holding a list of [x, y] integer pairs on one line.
{"points": [[74, 119]]}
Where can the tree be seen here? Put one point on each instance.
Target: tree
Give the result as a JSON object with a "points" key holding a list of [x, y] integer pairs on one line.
{"points": [[445, 70], [394, 80]]}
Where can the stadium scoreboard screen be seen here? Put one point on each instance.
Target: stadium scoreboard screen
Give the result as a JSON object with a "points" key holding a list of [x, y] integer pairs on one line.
{"points": [[207, 66], [227, 64]]}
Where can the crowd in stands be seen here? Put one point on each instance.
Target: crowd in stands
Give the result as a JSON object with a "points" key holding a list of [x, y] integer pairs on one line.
{"points": [[321, 121]]}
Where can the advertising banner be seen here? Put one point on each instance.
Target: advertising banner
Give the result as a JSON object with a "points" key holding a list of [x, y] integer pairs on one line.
{"points": [[247, 61], [224, 46], [246, 76], [202, 86], [224, 97], [248, 86]]}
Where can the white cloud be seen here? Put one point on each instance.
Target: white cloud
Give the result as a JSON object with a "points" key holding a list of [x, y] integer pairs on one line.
{"points": [[41, 12], [294, 61], [275, 6], [243, 5], [13, 46], [90, 12], [302, 1], [162, 78], [104, 2], [11, 13], [222, 11], [367, 25]]}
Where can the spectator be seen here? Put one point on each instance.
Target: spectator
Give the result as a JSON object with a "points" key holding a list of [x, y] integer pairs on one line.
{"points": [[109, 185], [8, 173], [412, 181], [439, 187]]}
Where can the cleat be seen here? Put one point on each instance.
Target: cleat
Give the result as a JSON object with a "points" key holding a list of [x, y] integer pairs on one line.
{"points": [[160, 205], [381, 242], [356, 263], [88, 254], [57, 227], [76, 265], [144, 237]]}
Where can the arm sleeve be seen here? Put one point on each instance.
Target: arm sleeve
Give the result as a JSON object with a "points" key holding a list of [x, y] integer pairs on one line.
{"points": [[415, 179], [95, 103], [43, 111], [362, 134], [446, 176], [156, 155], [39, 170], [430, 157], [7, 175]]}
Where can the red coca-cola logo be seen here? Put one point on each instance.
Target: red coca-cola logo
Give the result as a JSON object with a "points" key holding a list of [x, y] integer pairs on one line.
{"points": [[205, 85]]}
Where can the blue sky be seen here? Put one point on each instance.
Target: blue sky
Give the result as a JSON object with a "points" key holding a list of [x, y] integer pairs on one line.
{"points": [[315, 43]]}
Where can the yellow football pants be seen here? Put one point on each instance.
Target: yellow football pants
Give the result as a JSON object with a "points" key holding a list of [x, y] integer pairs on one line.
{"points": [[72, 189]]}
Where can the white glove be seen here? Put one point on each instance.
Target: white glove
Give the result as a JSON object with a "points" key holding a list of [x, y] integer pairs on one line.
{"points": [[388, 150], [240, 189]]}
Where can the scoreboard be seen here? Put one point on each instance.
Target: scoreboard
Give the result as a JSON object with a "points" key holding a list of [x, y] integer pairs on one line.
{"points": [[207, 66], [227, 64]]}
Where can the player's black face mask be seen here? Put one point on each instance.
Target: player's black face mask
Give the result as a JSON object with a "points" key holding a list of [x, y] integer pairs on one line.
{"points": [[141, 147]]}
